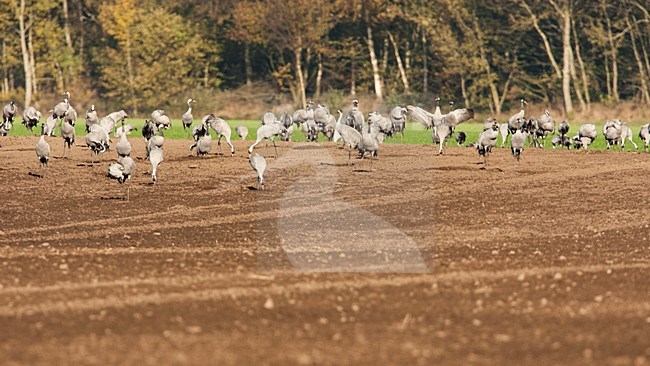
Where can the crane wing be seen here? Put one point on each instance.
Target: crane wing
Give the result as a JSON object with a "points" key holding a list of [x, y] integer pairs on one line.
{"points": [[454, 118], [418, 114]]}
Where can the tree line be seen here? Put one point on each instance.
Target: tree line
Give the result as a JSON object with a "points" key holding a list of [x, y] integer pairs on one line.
{"points": [[486, 53]]}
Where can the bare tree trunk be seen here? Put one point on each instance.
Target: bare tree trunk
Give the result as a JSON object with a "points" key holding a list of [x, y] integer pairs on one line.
{"points": [[463, 89], [400, 65], [32, 61], [576, 82], [26, 59], [614, 53], [66, 32], [206, 73], [129, 66], [248, 66], [5, 75], [566, 60], [583, 72], [319, 75], [384, 62], [353, 79], [547, 44], [425, 67], [301, 78], [82, 38], [375, 64], [645, 93], [608, 78]]}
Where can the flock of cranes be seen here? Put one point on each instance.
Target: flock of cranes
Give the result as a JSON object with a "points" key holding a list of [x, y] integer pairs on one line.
{"points": [[352, 128]]}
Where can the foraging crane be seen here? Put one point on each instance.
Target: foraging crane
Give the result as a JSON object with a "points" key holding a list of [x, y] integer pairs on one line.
{"points": [[67, 132], [222, 128], [258, 163], [95, 140], [31, 118], [161, 119], [43, 151], [187, 117], [487, 140], [268, 132], [517, 143], [61, 109], [91, 118], [286, 120], [545, 126], [586, 135], [268, 119], [70, 116], [302, 115], [351, 137], [515, 120], [122, 171], [644, 135], [149, 129], [109, 122], [616, 131], [241, 131], [460, 138], [202, 140], [563, 129]]}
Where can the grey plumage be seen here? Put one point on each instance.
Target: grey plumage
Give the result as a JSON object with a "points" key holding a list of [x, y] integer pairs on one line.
{"points": [[91, 118], [302, 115], [149, 129], [155, 158], [442, 133], [161, 119], [123, 147], [487, 140], [644, 135], [286, 120], [288, 134], [95, 140], [125, 129], [586, 135], [9, 112], [49, 125], [122, 171], [31, 118], [109, 122], [398, 118], [68, 134], [504, 130], [515, 120], [70, 116], [241, 131], [268, 119], [258, 163], [268, 132], [350, 136], [310, 130], [43, 151], [156, 141], [517, 143], [545, 125], [369, 141], [460, 138], [187, 117], [222, 129], [563, 128], [203, 145], [617, 132], [355, 117], [61, 109]]}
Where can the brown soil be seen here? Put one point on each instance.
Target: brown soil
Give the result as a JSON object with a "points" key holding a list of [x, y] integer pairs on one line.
{"points": [[423, 260]]}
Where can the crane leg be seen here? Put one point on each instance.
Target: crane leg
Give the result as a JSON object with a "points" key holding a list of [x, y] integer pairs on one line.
{"points": [[276, 149]]}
